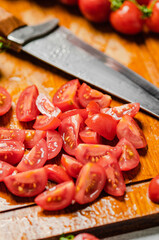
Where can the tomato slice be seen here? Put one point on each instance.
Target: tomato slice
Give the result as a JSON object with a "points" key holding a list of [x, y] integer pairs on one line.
{"points": [[92, 108], [54, 143], [32, 137], [5, 101], [58, 197], [69, 129], [36, 158], [12, 134], [87, 94], [26, 109], [85, 236], [90, 183], [27, 184], [44, 122], [153, 190], [46, 107], [129, 158], [82, 112], [11, 151], [71, 165], [89, 136], [56, 173], [5, 170], [130, 109], [93, 152], [66, 97], [129, 129]]}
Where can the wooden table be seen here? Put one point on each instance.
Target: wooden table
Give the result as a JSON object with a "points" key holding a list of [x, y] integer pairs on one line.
{"points": [[107, 216]]}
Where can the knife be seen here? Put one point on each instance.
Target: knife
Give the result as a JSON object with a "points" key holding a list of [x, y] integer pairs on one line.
{"points": [[58, 47]]}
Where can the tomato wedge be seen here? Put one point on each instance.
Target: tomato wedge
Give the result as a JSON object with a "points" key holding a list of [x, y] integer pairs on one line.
{"points": [[32, 137], [103, 124], [56, 173], [89, 136], [129, 158], [66, 96], [128, 128], [57, 198], [85, 236], [82, 112], [90, 183], [153, 190], [5, 101], [44, 122], [87, 94], [12, 134], [27, 184], [11, 151], [92, 108], [54, 143], [5, 170], [71, 165], [36, 158], [26, 109]]}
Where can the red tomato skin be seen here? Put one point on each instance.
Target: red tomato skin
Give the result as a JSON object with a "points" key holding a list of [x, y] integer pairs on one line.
{"points": [[153, 20], [71, 165], [27, 184], [26, 109], [89, 136], [69, 2], [82, 112], [57, 198], [153, 190], [143, 2], [12, 134], [66, 97], [95, 10], [103, 124], [127, 19], [5, 101], [85, 236], [129, 129], [45, 123], [36, 158], [90, 183], [56, 173], [11, 151], [5, 170], [32, 137], [54, 143]]}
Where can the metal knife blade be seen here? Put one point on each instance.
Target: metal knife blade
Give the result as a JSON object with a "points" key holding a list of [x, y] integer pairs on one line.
{"points": [[63, 50]]}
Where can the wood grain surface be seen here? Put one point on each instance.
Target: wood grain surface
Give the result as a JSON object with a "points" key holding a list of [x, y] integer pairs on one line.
{"points": [[17, 71]]}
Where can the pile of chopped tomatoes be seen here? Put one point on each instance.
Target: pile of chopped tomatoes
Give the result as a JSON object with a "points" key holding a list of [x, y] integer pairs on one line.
{"points": [[75, 125]]}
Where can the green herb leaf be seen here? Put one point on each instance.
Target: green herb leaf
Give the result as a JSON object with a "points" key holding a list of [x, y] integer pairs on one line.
{"points": [[69, 237], [3, 44]]}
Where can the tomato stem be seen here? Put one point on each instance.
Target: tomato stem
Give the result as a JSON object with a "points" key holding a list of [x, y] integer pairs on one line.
{"points": [[69, 237], [116, 4]]}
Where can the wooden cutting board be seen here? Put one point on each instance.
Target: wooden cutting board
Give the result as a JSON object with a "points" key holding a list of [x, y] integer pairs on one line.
{"points": [[20, 220]]}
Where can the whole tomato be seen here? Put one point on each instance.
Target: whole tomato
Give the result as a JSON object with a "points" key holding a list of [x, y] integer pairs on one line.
{"points": [[69, 2], [127, 19], [95, 10], [153, 21]]}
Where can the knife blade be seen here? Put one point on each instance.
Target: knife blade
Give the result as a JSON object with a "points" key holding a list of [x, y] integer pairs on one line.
{"points": [[58, 47]]}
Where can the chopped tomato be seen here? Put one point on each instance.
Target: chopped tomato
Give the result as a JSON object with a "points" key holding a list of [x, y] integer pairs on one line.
{"points": [[5, 170], [130, 109], [66, 97], [44, 122], [129, 158], [12, 134], [129, 129], [69, 129], [32, 137], [11, 151], [103, 124], [56, 173], [153, 190], [90, 183], [54, 143], [5, 101], [82, 112], [92, 108], [89, 136], [26, 109], [36, 158], [85, 236], [58, 197], [87, 94], [71, 165], [27, 184]]}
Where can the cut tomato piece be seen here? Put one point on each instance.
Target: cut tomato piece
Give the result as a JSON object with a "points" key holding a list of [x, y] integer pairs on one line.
{"points": [[129, 158], [90, 183], [44, 122], [27, 184], [36, 158], [153, 190], [87, 94], [58, 197], [26, 109], [71, 165], [11, 151], [89, 136], [66, 97], [92, 108], [32, 137], [12, 134], [56, 173], [129, 129], [82, 112], [69, 129], [54, 143], [85, 236], [5, 101], [5, 170], [130, 109]]}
